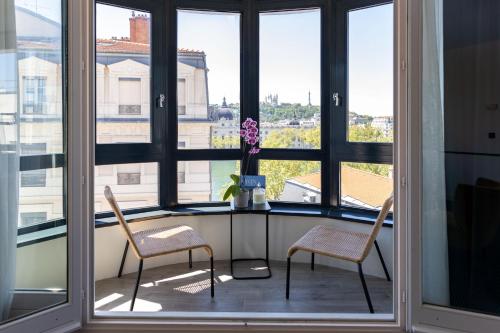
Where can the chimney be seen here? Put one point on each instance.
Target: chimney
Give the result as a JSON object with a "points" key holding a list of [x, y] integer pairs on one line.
{"points": [[139, 28]]}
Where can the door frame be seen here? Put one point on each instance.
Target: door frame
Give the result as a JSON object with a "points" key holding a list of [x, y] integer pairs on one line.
{"points": [[67, 316], [425, 317]]}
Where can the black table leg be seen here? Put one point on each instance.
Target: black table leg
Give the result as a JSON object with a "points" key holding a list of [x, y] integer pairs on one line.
{"points": [[267, 239], [231, 240]]}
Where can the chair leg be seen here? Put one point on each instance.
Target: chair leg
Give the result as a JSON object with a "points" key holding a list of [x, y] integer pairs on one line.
{"points": [[288, 262], [382, 261], [190, 259], [312, 261], [212, 276], [123, 259], [136, 286], [365, 289]]}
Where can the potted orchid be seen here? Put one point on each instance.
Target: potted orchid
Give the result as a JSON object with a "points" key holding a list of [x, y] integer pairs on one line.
{"points": [[250, 135]]}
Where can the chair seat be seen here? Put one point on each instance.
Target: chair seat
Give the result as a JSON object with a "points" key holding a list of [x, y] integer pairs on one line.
{"points": [[165, 240], [333, 242]]}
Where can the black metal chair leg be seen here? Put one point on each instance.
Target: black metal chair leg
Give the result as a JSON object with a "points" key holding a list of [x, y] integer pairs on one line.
{"points": [[312, 261], [365, 289], [288, 261], [382, 261], [123, 259], [190, 259], [212, 276], [136, 286]]}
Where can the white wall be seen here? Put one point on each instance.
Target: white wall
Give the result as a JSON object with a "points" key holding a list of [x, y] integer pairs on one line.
{"points": [[248, 240], [42, 265]]}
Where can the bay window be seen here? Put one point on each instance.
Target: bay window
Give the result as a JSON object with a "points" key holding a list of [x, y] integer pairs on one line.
{"points": [[324, 127]]}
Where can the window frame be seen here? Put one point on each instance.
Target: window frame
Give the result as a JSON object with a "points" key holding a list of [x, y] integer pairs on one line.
{"points": [[153, 151], [163, 149]]}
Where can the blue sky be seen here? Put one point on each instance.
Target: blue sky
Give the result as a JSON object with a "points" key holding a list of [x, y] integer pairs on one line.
{"points": [[289, 53]]}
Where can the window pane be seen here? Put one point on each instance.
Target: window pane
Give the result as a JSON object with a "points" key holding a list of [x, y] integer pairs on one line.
{"points": [[204, 181], [365, 185], [290, 80], [39, 77], [134, 185], [41, 196], [208, 80], [370, 74], [33, 273], [123, 57], [293, 181]]}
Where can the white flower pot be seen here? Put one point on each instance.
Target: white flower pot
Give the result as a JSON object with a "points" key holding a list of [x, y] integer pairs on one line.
{"points": [[241, 201]]}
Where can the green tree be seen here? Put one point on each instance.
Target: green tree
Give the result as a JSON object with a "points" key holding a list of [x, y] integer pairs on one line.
{"points": [[368, 133]]}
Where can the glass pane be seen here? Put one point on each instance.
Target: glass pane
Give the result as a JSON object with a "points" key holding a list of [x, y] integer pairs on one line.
{"points": [[204, 181], [33, 255], [370, 74], [460, 156], [208, 79], [41, 196], [134, 185], [293, 181], [123, 57], [290, 80], [365, 185]]}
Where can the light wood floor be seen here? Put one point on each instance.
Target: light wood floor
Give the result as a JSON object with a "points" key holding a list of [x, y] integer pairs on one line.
{"points": [[177, 288]]}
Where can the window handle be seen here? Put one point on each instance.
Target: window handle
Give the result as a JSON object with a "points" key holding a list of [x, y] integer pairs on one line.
{"points": [[161, 101], [337, 99]]}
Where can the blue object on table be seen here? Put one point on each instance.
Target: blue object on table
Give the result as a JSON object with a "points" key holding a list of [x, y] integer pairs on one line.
{"points": [[251, 182]]}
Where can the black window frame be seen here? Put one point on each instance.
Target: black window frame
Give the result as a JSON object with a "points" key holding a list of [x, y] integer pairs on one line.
{"points": [[335, 148]]}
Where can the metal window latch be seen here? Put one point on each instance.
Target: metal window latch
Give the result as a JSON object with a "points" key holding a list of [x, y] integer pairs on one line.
{"points": [[336, 99], [161, 101]]}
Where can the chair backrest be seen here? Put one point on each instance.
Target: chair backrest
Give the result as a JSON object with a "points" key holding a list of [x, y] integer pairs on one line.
{"points": [[386, 207], [123, 223]]}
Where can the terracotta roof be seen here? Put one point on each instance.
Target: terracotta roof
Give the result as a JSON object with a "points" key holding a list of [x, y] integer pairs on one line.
{"points": [[126, 46], [367, 187]]}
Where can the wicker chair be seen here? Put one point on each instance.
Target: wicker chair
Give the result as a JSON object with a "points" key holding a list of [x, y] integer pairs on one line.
{"points": [[342, 244], [158, 241]]}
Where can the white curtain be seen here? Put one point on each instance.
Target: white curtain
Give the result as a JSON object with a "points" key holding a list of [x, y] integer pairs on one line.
{"points": [[434, 230], [9, 155]]}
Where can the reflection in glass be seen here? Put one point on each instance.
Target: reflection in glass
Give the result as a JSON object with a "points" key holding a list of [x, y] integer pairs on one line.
{"points": [[292, 181], [123, 57], [461, 155], [33, 266], [370, 74], [208, 79], [290, 80]]}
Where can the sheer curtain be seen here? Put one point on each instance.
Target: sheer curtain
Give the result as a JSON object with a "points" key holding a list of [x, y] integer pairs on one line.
{"points": [[434, 229], [9, 155]]}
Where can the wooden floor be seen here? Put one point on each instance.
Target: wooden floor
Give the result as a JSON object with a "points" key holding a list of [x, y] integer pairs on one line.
{"points": [[177, 288]]}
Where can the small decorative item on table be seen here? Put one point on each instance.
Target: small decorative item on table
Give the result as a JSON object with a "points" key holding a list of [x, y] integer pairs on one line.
{"points": [[250, 135], [259, 195]]}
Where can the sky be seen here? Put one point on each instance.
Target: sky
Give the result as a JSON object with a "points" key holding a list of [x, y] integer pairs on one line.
{"points": [[48, 8], [289, 53]]}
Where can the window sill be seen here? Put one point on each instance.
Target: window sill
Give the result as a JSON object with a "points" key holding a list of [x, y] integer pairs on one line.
{"points": [[41, 236], [344, 214]]}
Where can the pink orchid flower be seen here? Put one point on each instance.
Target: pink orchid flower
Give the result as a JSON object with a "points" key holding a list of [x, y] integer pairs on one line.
{"points": [[243, 133], [252, 141], [251, 135], [254, 151], [247, 123]]}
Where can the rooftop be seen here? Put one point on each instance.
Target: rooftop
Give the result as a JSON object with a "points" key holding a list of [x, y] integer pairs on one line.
{"points": [[367, 187]]}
